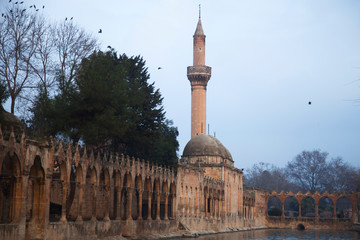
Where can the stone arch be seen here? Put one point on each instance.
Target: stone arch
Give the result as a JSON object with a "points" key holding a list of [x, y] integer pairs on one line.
{"points": [[274, 206], [90, 194], [172, 201], [326, 207], [126, 196], [137, 198], [10, 203], [291, 207], [300, 227], [343, 208], [155, 206], [36, 193], [308, 207], [146, 205], [57, 204]]}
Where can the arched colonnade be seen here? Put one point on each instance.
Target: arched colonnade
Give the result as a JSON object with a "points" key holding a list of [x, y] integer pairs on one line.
{"points": [[325, 205]]}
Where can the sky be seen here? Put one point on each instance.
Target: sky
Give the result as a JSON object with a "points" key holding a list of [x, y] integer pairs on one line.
{"points": [[268, 59]]}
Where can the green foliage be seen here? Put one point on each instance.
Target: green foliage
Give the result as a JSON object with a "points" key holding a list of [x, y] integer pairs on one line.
{"points": [[112, 107], [4, 93]]}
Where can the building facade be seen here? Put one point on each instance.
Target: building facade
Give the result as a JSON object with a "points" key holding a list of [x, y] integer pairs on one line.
{"points": [[57, 190]]}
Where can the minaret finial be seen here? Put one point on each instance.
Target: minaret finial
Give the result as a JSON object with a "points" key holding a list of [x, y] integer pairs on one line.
{"points": [[199, 10]]}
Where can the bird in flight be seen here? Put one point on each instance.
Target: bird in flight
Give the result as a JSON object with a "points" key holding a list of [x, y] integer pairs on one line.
{"points": [[100, 31], [159, 67], [109, 47], [309, 103], [71, 18]]}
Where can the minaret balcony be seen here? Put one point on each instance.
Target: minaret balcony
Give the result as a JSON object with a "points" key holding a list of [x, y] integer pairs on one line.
{"points": [[199, 70]]}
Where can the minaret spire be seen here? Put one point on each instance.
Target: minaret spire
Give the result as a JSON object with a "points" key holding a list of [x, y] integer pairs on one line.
{"points": [[198, 74], [199, 11]]}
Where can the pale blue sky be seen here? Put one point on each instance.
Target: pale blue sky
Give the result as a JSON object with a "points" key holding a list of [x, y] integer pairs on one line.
{"points": [[268, 59]]}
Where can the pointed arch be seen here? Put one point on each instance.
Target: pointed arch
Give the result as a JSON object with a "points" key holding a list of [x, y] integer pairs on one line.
{"points": [[9, 183], [36, 193], [291, 207]]}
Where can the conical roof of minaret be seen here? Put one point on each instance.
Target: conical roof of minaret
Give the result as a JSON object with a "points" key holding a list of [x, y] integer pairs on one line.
{"points": [[199, 31]]}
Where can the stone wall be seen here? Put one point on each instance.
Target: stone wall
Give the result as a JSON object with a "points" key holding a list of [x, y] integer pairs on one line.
{"points": [[52, 190]]}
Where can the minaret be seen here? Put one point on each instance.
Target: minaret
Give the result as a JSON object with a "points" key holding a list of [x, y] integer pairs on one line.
{"points": [[198, 75]]}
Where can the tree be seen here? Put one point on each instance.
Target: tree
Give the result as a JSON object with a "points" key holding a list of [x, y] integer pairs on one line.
{"points": [[4, 94], [18, 43], [111, 106], [340, 176], [34, 54], [268, 177], [309, 169], [72, 45]]}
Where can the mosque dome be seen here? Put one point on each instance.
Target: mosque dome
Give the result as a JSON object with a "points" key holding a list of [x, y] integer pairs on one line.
{"points": [[206, 145]]}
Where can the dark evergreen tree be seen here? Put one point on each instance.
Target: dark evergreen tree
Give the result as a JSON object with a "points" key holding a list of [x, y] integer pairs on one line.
{"points": [[112, 107]]}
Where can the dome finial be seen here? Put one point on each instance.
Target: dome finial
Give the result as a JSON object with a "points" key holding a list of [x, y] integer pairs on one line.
{"points": [[199, 11]]}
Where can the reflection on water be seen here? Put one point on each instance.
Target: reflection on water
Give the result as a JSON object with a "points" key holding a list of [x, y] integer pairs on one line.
{"points": [[280, 234]]}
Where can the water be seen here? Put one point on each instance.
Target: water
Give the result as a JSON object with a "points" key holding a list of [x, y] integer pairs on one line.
{"points": [[282, 234]]}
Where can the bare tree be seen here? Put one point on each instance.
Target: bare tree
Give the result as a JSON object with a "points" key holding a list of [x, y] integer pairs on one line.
{"points": [[309, 170], [43, 64], [340, 176], [72, 44], [268, 177], [18, 43]]}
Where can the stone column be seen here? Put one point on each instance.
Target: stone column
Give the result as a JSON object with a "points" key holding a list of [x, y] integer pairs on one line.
{"points": [[129, 205], [317, 210], [282, 208], [118, 203], [218, 207], [18, 200], [157, 206], [166, 206], [299, 209], [42, 200], [149, 206], [222, 214], [93, 217], [213, 206], [107, 200], [334, 217], [63, 201], [173, 206], [186, 203], [190, 204], [140, 205], [354, 203], [206, 205], [80, 211]]}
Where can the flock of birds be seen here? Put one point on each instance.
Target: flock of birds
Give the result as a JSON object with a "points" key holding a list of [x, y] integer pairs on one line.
{"points": [[32, 6]]}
